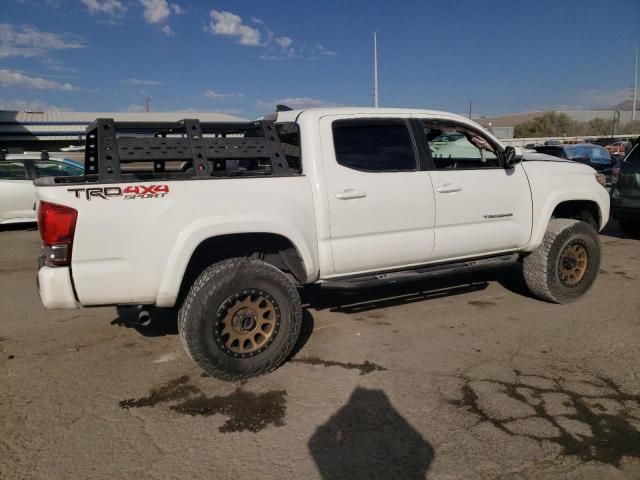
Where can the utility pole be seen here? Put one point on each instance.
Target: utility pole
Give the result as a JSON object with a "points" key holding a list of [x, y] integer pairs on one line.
{"points": [[616, 118], [470, 103], [376, 102], [146, 103], [635, 89]]}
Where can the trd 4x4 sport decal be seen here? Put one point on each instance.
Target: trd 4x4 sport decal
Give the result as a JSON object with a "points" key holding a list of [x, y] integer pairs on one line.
{"points": [[129, 192]]}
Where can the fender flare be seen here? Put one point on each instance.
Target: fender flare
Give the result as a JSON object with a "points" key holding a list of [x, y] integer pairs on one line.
{"points": [[205, 228]]}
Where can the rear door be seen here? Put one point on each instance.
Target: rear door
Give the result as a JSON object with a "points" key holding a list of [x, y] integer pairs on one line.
{"points": [[17, 194], [381, 205]]}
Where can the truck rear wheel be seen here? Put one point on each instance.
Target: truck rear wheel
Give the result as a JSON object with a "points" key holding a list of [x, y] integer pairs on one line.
{"points": [[240, 319], [567, 262]]}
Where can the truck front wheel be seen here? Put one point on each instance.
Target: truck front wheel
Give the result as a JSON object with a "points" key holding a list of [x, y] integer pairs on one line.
{"points": [[567, 262], [240, 319]]}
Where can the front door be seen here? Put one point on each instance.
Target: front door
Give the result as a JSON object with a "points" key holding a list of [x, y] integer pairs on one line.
{"points": [[481, 207], [381, 206]]}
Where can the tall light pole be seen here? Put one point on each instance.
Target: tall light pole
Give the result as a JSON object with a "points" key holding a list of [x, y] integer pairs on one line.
{"points": [[635, 88], [376, 102]]}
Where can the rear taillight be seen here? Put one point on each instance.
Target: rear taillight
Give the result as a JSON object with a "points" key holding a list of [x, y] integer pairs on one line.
{"points": [[57, 225]]}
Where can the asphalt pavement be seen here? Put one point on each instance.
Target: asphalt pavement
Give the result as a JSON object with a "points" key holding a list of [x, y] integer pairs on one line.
{"points": [[468, 378]]}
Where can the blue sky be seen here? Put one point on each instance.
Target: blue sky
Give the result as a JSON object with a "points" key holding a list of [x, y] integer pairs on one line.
{"points": [[241, 57]]}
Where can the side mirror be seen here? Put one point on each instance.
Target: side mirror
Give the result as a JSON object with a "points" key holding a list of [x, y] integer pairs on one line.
{"points": [[512, 156]]}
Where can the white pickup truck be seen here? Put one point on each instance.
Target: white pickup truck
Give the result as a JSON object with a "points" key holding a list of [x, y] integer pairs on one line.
{"points": [[343, 197]]}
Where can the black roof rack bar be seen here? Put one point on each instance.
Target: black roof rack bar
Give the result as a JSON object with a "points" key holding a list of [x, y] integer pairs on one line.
{"points": [[178, 127], [198, 149], [107, 148], [108, 151], [279, 163]]}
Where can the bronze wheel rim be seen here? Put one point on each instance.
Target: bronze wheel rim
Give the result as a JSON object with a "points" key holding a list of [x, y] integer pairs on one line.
{"points": [[247, 322], [573, 263]]}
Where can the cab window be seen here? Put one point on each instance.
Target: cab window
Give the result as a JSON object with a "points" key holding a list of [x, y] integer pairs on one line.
{"points": [[12, 171], [459, 148], [374, 145], [49, 168]]}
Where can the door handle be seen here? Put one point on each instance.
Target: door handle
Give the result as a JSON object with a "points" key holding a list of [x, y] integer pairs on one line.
{"points": [[448, 188], [350, 193]]}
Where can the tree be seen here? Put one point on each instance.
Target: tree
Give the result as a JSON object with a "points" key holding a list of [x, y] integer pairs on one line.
{"points": [[550, 124]]}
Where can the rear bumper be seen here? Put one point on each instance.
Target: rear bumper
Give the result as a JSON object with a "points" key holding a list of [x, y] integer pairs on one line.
{"points": [[55, 288]]}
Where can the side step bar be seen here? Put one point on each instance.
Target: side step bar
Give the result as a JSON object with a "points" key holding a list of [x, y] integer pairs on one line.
{"points": [[421, 273]]}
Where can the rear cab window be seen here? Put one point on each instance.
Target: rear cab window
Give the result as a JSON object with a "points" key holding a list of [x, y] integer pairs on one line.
{"points": [[51, 168], [12, 170], [374, 145]]}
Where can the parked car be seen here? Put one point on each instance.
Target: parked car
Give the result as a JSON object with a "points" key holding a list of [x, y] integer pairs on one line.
{"points": [[17, 193], [73, 148], [363, 203], [625, 193], [595, 156]]}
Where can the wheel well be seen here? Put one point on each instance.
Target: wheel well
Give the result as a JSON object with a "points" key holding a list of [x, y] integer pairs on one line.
{"points": [[584, 210], [274, 249]]}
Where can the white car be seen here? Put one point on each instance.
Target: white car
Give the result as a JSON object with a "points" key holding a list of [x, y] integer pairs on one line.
{"points": [[17, 193], [73, 148]]}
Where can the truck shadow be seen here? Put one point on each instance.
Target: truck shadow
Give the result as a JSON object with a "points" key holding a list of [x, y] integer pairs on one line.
{"points": [[368, 439], [164, 321]]}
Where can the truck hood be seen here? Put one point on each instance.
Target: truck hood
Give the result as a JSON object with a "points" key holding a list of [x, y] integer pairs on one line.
{"points": [[535, 156], [540, 164]]}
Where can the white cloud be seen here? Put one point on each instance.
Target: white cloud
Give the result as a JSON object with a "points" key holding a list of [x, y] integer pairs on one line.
{"points": [[177, 9], [596, 98], [34, 105], [275, 47], [217, 95], [156, 11], [284, 42], [108, 7], [227, 23], [10, 78], [296, 102], [28, 41], [167, 31], [321, 51], [138, 81], [135, 108]]}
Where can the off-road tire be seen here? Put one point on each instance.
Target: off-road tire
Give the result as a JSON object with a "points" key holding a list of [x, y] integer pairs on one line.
{"points": [[630, 227], [542, 266], [200, 312]]}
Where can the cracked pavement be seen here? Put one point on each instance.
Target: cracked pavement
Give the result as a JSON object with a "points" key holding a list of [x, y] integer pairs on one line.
{"points": [[465, 378]]}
